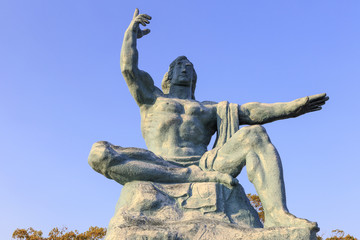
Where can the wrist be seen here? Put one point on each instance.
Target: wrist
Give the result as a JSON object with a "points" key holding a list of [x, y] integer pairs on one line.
{"points": [[133, 26], [298, 106]]}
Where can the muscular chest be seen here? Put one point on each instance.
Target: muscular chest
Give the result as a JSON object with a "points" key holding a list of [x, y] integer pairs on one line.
{"points": [[170, 111], [185, 108]]}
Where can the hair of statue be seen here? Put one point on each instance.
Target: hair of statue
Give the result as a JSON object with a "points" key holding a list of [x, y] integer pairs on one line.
{"points": [[165, 85]]}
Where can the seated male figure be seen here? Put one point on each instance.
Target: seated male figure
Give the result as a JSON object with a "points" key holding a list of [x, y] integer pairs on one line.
{"points": [[177, 130]]}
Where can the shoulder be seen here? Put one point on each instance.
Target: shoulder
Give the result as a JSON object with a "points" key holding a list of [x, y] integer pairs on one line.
{"points": [[158, 93], [160, 100], [209, 103], [212, 106]]}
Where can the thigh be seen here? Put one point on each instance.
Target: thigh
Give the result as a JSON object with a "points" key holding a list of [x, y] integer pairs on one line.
{"points": [[140, 154]]}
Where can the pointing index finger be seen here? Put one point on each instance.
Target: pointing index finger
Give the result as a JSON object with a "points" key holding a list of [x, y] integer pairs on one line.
{"points": [[136, 12], [317, 97]]}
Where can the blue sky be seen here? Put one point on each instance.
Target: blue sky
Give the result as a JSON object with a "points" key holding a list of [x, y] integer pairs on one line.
{"points": [[62, 90]]}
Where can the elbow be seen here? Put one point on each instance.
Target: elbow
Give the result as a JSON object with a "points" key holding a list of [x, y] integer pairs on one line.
{"points": [[128, 72], [124, 69]]}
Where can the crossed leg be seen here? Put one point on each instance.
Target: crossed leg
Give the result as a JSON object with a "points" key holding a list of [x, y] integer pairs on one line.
{"points": [[249, 146], [135, 164], [252, 147]]}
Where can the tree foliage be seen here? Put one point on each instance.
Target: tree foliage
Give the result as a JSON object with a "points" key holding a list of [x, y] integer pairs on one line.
{"points": [[336, 234], [94, 233], [256, 203]]}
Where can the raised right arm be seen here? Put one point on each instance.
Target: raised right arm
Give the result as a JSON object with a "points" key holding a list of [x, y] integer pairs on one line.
{"points": [[140, 83]]}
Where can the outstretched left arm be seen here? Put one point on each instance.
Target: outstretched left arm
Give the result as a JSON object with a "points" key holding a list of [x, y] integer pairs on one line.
{"points": [[261, 113]]}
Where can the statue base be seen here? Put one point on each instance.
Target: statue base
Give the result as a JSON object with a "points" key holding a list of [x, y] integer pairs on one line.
{"points": [[205, 210]]}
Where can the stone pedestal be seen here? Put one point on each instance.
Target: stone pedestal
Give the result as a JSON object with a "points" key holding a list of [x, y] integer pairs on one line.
{"points": [[208, 210]]}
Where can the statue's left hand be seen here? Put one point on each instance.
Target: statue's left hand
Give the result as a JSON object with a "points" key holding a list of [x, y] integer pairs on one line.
{"points": [[310, 104]]}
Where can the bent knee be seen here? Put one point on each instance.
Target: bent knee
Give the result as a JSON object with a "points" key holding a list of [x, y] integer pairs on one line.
{"points": [[258, 129], [100, 156], [255, 134]]}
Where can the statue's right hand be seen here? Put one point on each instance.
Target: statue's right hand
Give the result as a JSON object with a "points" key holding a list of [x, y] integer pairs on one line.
{"points": [[309, 104], [143, 19]]}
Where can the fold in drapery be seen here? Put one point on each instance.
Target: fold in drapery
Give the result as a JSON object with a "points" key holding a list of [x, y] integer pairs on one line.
{"points": [[227, 125]]}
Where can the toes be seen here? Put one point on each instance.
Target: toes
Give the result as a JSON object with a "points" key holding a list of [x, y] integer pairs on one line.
{"points": [[234, 182], [228, 180]]}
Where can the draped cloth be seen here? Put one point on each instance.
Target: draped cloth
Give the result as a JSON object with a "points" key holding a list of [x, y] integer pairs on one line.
{"points": [[227, 125]]}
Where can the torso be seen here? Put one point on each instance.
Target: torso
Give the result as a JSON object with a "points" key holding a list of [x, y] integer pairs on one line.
{"points": [[175, 128]]}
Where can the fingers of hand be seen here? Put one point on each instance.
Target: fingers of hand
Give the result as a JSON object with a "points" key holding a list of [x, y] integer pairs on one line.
{"points": [[142, 33], [146, 16], [314, 109], [319, 102], [136, 13], [145, 31], [316, 105], [142, 19], [317, 97]]}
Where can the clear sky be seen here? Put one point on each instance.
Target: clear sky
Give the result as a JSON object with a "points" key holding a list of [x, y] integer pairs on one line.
{"points": [[62, 90]]}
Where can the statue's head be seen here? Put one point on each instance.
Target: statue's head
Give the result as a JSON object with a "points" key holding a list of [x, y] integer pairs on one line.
{"points": [[181, 72]]}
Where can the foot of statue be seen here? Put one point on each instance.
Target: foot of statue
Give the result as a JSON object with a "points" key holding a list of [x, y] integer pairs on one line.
{"points": [[286, 219], [198, 175]]}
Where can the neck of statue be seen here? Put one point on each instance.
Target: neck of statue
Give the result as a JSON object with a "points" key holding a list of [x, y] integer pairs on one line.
{"points": [[182, 92]]}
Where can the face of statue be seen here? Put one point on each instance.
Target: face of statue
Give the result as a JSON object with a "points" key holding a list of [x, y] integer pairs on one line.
{"points": [[182, 73]]}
